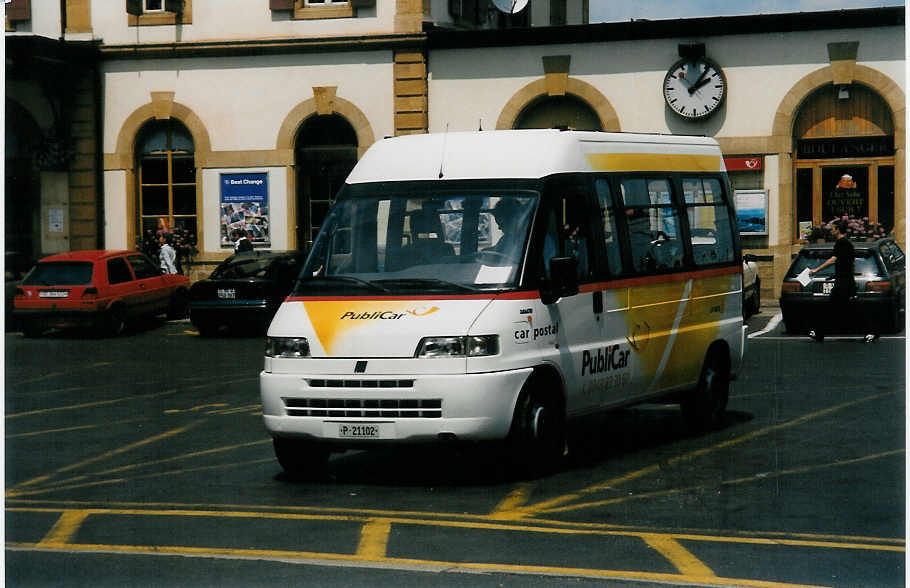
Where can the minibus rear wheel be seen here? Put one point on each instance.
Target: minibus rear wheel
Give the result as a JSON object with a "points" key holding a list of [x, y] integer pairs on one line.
{"points": [[703, 408], [301, 460], [537, 438]]}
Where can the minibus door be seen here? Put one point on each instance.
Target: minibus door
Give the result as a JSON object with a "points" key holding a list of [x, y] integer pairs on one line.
{"points": [[569, 270]]}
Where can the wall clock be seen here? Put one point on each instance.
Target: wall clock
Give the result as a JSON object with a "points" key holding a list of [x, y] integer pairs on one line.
{"points": [[695, 88]]}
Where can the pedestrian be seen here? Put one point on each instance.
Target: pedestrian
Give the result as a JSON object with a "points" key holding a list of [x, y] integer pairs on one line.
{"points": [[241, 242], [839, 309], [167, 255]]}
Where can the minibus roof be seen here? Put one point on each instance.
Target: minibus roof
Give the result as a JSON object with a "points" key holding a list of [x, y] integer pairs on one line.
{"points": [[530, 154]]}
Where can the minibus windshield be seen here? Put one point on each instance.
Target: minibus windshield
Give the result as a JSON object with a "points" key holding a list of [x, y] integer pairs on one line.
{"points": [[420, 240]]}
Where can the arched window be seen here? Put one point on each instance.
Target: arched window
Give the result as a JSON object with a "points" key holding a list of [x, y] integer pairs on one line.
{"points": [[568, 112], [326, 152], [167, 177]]}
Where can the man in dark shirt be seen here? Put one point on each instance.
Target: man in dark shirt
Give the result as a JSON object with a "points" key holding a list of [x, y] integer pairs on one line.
{"points": [[844, 284]]}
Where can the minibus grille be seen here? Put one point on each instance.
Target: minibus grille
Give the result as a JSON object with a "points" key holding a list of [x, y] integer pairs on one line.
{"points": [[361, 383], [427, 408]]}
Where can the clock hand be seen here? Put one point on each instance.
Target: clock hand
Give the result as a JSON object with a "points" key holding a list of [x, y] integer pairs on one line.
{"points": [[699, 81]]}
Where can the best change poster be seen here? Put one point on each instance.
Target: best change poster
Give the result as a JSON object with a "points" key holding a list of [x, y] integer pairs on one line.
{"points": [[245, 207]]}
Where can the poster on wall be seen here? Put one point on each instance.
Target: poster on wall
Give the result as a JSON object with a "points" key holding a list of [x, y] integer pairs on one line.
{"points": [[752, 212], [244, 207]]}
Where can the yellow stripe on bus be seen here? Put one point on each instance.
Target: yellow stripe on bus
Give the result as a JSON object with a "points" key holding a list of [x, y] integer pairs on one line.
{"points": [[653, 162]]}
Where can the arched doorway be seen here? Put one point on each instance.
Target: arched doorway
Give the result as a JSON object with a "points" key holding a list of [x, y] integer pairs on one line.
{"points": [[843, 157], [326, 151], [22, 184], [563, 112]]}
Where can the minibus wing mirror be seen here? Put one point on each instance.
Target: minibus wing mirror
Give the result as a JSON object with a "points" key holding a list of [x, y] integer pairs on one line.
{"points": [[563, 280]]}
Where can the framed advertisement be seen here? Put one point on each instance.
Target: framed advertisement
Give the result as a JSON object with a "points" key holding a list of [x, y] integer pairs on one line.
{"points": [[752, 211], [245, 207]]}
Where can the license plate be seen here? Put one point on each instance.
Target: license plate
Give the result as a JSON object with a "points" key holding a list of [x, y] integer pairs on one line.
{"points": [[360, 430], [228, 293], [827, 287], [53, 294]]}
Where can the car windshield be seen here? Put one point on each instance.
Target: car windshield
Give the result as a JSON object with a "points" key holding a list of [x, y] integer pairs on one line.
{"points": [[243, 267], [60, 273], [865, 263], [390, 239]]}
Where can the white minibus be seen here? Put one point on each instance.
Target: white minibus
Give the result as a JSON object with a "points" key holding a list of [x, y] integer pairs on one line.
{"points": [[493, 286]]}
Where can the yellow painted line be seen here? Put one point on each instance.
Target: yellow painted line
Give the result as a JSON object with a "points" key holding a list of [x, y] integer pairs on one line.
{"points": [[72, 485], [108, 454], [64, 529], [414, 564], [50, 431], [679, 556], [510, 507], [835, 542], [737, 481], [192, 455], [91, 404], [548, 505], [374, 539]]}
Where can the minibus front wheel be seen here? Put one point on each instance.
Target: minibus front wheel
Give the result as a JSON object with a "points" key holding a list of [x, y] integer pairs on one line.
{"points": [[301, 460], [537, 438], [703, 408]]}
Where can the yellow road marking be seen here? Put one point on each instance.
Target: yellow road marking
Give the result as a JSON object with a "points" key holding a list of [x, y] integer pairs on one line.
{"points": [[64, 529], [71, 485], [416, 564], [374, 539], [107, 455], [744, 480], [91, 404], [510, 507], [549, 505], [679, 556]]}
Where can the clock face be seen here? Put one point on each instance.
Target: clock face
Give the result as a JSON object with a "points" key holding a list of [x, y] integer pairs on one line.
{"points": [[695, 88]]}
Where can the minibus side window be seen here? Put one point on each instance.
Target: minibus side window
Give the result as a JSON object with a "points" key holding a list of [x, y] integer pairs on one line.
{"points": [[568, 234], [653, 224], [709, 221], [608, 219]]}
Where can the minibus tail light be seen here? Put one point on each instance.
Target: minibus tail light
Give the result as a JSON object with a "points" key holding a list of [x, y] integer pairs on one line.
{"points": [[878, 286]]}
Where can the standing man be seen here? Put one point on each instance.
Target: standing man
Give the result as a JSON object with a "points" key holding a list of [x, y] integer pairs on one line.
{"points": [[844, 290], [167, 255]]}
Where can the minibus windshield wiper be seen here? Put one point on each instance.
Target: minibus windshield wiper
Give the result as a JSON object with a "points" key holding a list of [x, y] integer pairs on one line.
{"points": [[426, 282], [347, 279]]}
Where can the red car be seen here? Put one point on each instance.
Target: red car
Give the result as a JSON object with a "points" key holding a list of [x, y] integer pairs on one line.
{"points": [[99, 289]]}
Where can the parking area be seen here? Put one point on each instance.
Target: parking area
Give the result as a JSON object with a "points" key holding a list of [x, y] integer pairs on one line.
{"points": [[155, 448]]}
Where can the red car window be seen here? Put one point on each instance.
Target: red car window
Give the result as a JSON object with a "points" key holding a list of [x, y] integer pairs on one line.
{"points": [[60, 273], [118, 271]]}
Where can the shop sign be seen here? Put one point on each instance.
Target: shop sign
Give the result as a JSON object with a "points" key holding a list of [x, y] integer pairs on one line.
{"points": [[845, 147], [244, 207], [743, 163]]}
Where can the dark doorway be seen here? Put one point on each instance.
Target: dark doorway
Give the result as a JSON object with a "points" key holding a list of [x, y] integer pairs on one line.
{"points": [[22, 187], [326, 152]]}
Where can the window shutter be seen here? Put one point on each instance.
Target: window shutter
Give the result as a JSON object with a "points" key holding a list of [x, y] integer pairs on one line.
{"points": [[134, 7], [19, 10], [175, 6], [281, 4], [362, 3]]}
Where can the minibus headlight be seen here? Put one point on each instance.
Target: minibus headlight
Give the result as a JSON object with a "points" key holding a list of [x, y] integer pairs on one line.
{"points": [[291, 347], [473, 346]]}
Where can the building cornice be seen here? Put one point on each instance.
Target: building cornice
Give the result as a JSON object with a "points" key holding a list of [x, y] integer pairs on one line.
{"points": [[634, 30], [257, 47]]}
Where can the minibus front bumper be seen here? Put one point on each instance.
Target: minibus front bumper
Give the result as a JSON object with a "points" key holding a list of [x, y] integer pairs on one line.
{"points": [[357, 409]]}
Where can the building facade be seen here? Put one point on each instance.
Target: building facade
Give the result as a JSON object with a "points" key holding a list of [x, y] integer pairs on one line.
{"points": [[208, 115]]}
